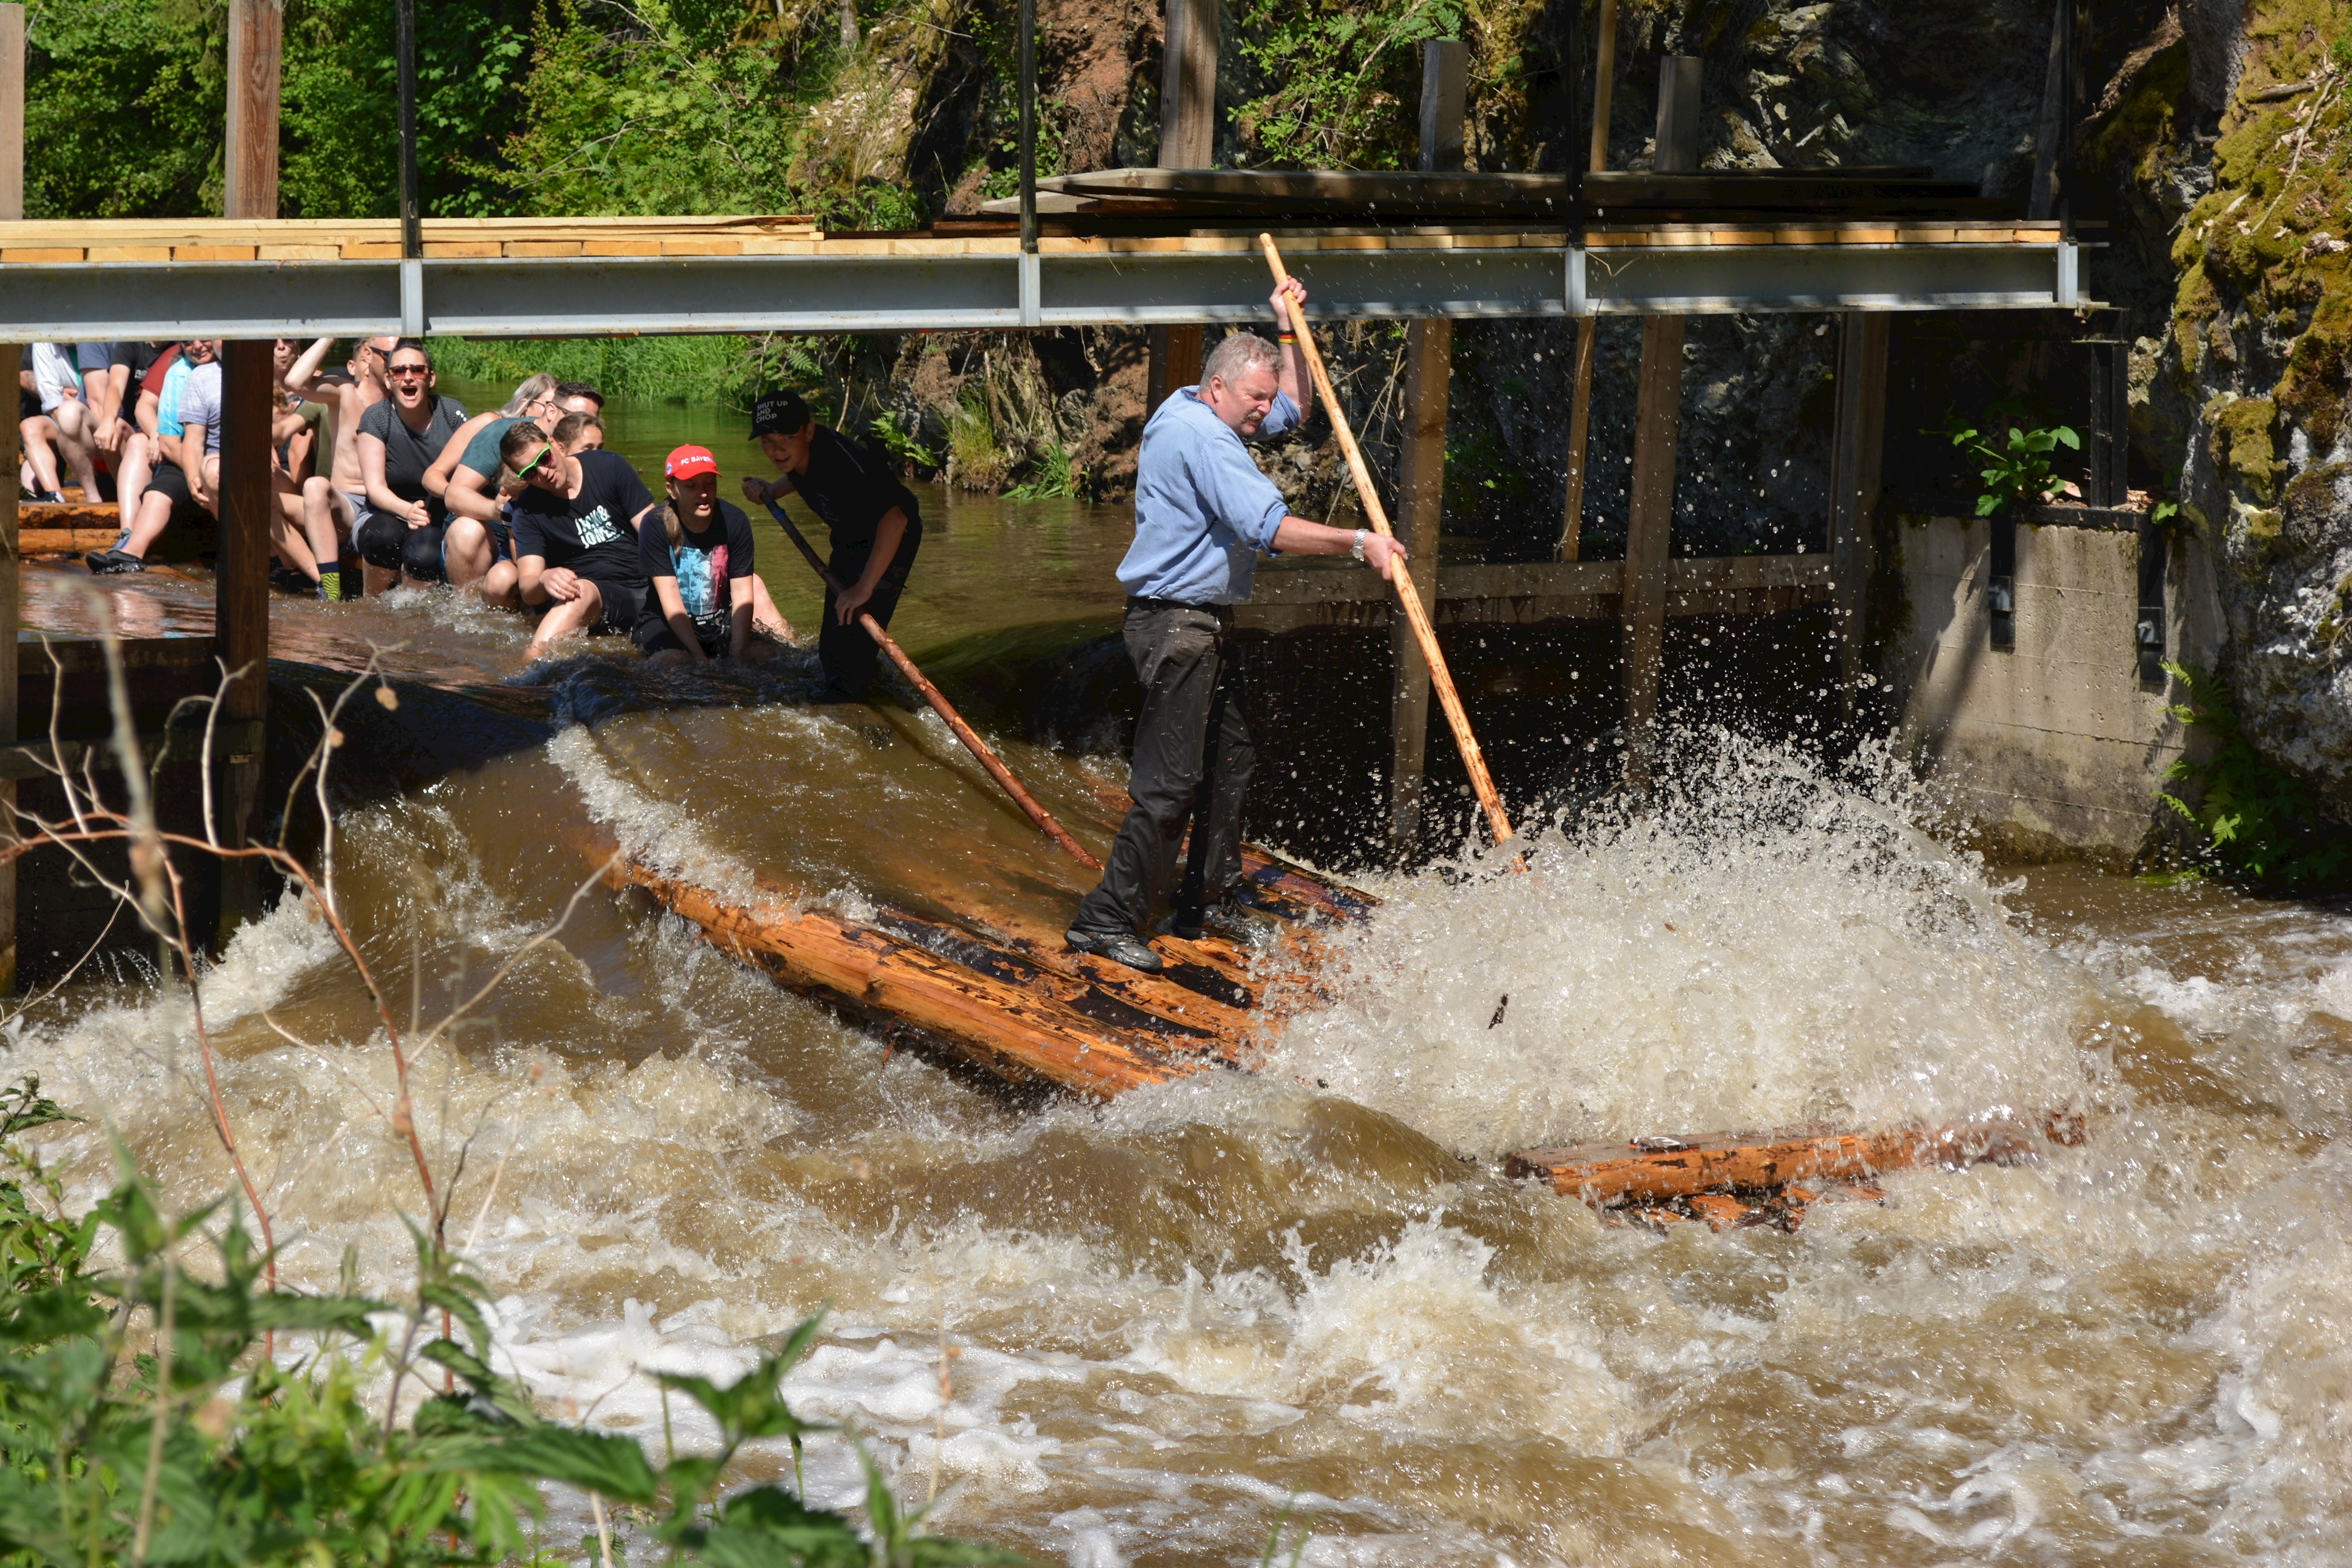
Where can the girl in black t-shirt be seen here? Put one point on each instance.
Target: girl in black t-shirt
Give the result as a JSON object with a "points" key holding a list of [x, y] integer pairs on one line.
{"points": [[705, 600]]}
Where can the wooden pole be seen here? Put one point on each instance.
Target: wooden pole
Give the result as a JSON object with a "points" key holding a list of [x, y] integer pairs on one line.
{"points": [[940, 705], [1188, 140], [1580, 412], [1657, 427], [1473, 760], [241, 567], [1857, 441], [12, 206], [1421, 471]]}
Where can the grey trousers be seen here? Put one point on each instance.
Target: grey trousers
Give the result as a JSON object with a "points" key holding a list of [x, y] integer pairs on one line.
{"points": [[1192, 761]]}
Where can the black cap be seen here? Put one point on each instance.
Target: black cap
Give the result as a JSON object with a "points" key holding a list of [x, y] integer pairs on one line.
{"points": [[778, 414]]}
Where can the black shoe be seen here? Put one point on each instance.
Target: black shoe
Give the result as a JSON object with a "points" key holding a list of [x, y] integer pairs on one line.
{"points": [[107, 563], [53, 497], [1224, 918], [1118, 947]]}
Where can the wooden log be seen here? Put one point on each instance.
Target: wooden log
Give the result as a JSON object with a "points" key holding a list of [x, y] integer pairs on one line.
{"points": [[1005, 1029], [33, 541], [1604, 1174]]}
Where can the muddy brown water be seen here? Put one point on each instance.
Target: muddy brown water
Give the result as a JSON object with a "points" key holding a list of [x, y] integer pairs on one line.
{"points": [[1179, 1315]]}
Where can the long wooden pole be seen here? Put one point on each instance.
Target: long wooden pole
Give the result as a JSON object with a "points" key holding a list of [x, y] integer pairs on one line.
{"points": [[946, 710], [1473, 760], [1580, 412]]}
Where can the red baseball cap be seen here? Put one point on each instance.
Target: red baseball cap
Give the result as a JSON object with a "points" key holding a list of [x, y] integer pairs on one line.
{"points": [[689, 461]]}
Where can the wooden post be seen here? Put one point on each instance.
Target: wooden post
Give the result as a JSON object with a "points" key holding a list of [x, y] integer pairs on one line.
{"points": [[241, 580], [1657, 426], [1188, 140], [1588, 328], [12, 206], [1856, 444], [1421, 480]]}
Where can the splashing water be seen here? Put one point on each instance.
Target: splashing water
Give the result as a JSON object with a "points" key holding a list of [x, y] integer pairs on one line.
{"points": [[1184, 1312]]}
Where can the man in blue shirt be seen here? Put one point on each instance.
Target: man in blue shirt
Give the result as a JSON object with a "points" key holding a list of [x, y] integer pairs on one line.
{"points": [[1202, 513]]}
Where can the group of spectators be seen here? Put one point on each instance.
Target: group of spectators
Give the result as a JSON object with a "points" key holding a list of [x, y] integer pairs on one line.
{"points": [[378, 480]]}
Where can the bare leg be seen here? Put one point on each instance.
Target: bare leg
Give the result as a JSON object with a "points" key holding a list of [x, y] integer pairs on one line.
{"points": [[467, 553], [565, 617], [73, 424], [380, 580], [40, 434], [134, 462], [319, 505], [502, 586], [289, 538], [154, 515]]}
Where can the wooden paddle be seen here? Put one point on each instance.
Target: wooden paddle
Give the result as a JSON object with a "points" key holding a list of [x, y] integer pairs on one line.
{"points": [[1473, 758], [964, 732]]}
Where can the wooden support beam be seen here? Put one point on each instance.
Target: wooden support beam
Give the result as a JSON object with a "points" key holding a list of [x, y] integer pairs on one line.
{"points": [[241, 584], [1856, 444], [1580, 413], [1188, 140], [1657, 427], [12, 207], [1421, 480]]}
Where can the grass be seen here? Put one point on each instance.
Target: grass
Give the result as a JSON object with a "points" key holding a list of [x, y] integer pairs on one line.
{"points": [[712, 370]]}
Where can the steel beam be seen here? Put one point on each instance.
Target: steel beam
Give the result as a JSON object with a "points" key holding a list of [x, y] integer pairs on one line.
{"points": [[573, 297]]}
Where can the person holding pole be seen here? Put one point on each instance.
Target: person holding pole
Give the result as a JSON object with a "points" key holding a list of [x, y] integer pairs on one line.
{"points": [[1202, 513], [875, 524]]}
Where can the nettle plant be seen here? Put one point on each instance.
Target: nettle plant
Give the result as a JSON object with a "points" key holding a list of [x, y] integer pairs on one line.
{"points": [[2016, 458]]}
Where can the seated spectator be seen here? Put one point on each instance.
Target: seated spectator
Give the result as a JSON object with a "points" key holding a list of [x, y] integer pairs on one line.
{"points": [[334, 509], [37, 434], [58, 383], [705, 597], [581, 433], [121, 440], [575, 525], [187, 437], [399, 440], [479, 546], [579, 397]]}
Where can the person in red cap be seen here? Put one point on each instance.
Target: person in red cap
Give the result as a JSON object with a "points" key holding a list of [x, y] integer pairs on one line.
{"points": [[705, 601]]}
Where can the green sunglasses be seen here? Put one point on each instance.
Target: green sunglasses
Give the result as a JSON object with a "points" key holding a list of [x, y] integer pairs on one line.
{"points": [[524, 472]]}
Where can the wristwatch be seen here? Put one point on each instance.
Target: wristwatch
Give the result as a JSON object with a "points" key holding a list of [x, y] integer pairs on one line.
{"points": [[1357, 549]]}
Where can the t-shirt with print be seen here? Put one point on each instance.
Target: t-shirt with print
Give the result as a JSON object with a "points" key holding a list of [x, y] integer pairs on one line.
{"points": [[482, 451], [407, 453], [704, 564], [200, 404], [594, 533], [167, 396], [850, 487]]}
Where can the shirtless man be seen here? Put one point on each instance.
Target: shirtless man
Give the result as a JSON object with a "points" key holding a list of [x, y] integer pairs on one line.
{"points": [[334, 506]]}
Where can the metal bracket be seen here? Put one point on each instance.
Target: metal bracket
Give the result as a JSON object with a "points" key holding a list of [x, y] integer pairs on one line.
{"points": [[1578, 305], [1031, 312], [2070, 274], [411, 298]]}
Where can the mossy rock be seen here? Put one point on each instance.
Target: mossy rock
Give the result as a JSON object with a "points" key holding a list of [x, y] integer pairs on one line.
{"points": [[2242, 441], [2313, 389], [2311, 508]]}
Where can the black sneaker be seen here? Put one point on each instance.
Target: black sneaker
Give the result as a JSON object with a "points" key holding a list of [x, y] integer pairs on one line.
{"points": [[1224, 918], [109, 563], [1118, 947]]}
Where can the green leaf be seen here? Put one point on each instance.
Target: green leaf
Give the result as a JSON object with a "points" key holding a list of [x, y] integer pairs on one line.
{"points": [[592, 1461]]}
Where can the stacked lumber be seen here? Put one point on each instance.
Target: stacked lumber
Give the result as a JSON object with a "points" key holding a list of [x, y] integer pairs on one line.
{"points": [[98, 240], [74, 526]]}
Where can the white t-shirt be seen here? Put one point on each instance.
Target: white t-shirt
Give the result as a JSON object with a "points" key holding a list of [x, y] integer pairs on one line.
{"points": [[200, 403], [53, 371]]}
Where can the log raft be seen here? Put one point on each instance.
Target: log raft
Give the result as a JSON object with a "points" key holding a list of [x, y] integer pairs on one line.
{"points": [[1007, 996]]}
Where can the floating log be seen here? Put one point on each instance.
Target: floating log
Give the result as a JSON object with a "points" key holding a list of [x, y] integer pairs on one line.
{"points": [[1007, 995]]}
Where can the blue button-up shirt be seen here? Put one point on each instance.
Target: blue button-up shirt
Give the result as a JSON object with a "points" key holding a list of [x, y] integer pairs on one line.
{"points": [[1202, 511]]}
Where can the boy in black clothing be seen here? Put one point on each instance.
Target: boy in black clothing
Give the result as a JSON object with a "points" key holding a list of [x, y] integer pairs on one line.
{"points": [[876, 525], [575, 536], [705, 597]]}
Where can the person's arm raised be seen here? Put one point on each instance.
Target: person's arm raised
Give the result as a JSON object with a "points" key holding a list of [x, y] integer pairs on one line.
{"points": [[1289, 303], [1296, 535], [298, 373], [886, 536]]}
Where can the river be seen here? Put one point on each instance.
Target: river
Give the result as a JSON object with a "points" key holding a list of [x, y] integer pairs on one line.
{"points": [[1176, 1318]]}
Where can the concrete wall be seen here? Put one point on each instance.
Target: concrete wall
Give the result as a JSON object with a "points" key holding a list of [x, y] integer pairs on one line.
{"points": [[2053, 746]]}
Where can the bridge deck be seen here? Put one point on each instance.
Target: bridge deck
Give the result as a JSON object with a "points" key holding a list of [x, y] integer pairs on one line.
{"points": [[530, 278]]}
